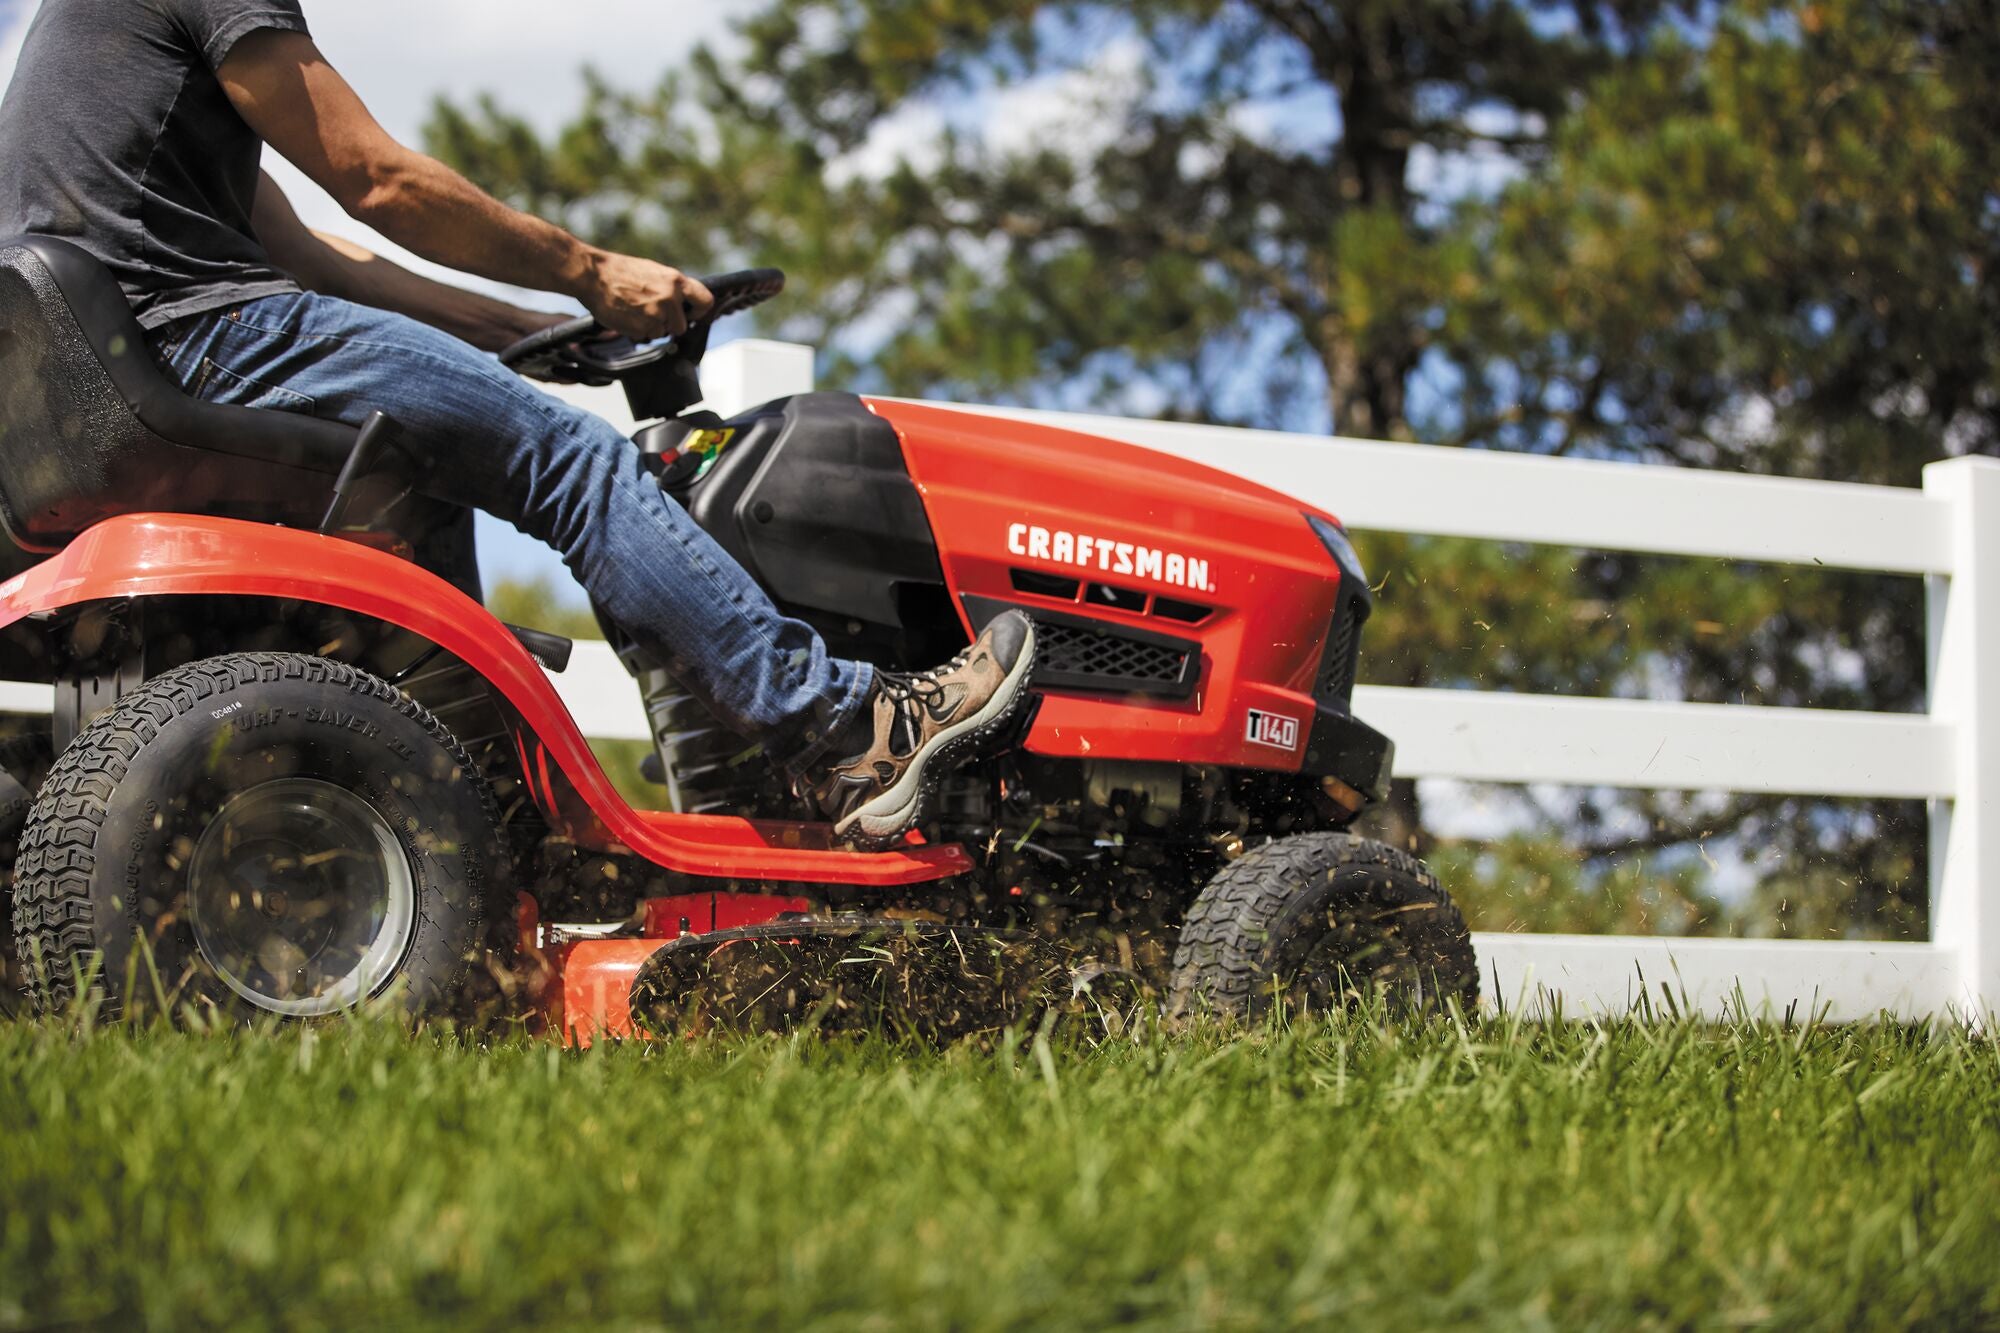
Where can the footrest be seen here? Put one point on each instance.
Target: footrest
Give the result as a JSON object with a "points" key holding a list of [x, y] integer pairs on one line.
{"points": [[551, 650]]}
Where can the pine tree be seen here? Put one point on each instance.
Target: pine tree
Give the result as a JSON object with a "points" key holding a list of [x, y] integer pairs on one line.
{"points": [[1240, 179], [1771, 249], [1756, 238]]}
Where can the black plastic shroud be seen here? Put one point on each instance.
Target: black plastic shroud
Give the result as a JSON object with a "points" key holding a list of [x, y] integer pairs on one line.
{"points": [[812, 496]]}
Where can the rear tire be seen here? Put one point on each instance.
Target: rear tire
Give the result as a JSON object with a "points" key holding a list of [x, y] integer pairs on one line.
{"points": [[264, 832], [1321, 921], [24, 762]]}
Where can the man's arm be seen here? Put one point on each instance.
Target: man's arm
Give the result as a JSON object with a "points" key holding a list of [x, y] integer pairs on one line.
{"points": [[338, 267], [285, 90]]}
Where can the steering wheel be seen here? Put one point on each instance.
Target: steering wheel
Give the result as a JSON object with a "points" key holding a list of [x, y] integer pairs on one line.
{"points": [[583, 351]]}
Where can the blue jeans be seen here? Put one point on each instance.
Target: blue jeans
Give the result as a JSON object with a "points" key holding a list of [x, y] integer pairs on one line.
{"points": [[487, 439]]}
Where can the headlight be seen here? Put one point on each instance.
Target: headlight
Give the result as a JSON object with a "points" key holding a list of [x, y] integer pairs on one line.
{"points": [[1341, 549]]}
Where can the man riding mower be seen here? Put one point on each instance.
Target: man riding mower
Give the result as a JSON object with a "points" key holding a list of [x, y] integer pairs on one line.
{"points": [[298, 766]]}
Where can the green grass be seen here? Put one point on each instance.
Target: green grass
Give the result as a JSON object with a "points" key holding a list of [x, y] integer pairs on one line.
{"points": [[1518, 1175]]}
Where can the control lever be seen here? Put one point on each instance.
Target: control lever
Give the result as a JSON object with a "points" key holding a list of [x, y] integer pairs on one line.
{"points": [[377, 432]]}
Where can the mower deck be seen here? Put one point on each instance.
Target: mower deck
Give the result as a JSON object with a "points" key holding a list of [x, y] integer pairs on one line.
{"points": [[757, 963]]}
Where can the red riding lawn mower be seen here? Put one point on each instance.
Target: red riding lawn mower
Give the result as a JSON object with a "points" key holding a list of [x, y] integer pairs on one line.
{"points": [[290, 770]]}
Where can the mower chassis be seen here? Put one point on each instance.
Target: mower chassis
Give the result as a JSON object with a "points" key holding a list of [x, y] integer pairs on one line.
{"points": [[154, 555]]}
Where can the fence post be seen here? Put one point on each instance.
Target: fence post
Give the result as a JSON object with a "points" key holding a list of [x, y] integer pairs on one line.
{"points": [[1963, 630], [750, 371]]}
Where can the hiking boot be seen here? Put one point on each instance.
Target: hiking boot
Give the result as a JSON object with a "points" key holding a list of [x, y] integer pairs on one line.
{"points": [[917, 728]]}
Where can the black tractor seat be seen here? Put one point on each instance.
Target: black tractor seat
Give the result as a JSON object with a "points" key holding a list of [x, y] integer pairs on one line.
{"points": [[90, 426]]}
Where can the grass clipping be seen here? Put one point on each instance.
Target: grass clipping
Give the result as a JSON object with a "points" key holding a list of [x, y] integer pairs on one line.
{"points": [[916, 980]]}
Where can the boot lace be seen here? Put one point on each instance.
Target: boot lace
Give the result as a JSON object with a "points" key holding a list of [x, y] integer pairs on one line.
{"points": [[922, 686]]}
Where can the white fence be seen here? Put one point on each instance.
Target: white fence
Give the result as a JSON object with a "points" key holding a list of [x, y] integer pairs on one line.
{"points": [[1948, 532]]}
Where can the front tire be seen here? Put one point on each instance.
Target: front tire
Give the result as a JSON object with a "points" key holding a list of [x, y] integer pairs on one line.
{"points": [[1322, 921], [265, 832]]}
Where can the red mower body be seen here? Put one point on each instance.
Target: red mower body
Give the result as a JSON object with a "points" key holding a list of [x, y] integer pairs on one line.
{"points": [[1080, 530]]}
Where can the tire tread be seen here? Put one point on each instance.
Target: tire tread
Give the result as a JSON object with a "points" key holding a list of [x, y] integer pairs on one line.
{"points": [[53, 912], [1220, 961]]}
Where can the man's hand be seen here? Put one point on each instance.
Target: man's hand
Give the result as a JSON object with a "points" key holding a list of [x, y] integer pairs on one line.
{"points": [[641, 299]]}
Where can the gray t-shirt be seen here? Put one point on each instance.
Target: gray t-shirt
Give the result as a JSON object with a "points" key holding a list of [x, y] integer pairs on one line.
{"points": [[116, 134]]}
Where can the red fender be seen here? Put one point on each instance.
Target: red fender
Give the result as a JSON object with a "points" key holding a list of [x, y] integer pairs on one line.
{"points": [[152, 555]]}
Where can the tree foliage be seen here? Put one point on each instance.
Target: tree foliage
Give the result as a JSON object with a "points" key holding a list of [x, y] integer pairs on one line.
{"points": [[1759, 236]]}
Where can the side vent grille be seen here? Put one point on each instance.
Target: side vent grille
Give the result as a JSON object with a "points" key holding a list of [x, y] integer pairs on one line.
{"points": [[1188, 613], [1335, 688], [1040, 584], [1105, 660], [1044, 585], [1124, 599], [1076, 653]]}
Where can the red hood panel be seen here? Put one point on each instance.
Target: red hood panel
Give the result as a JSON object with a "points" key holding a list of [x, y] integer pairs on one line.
{"points": [[1005, 495]]}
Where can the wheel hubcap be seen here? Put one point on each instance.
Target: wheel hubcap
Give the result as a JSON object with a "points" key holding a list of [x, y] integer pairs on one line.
{"points": [[301, 898], [1345, 963]]}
